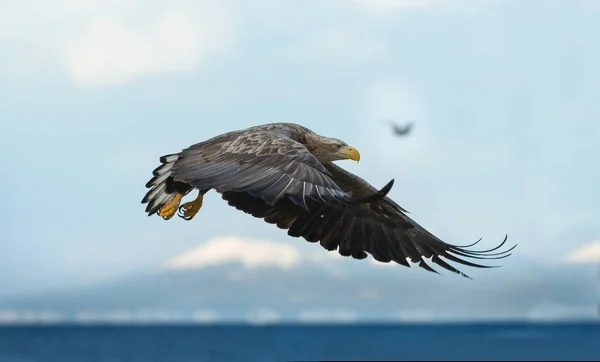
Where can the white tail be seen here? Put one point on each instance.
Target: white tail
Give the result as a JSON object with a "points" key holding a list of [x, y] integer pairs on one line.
{"points": [[157, 196]]}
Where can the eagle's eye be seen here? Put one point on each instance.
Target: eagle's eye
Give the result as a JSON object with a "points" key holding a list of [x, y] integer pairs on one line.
{"points": [[337, 146]]}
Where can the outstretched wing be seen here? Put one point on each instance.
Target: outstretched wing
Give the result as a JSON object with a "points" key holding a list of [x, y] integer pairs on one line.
{"points": [[264, 164], [379, 228]]}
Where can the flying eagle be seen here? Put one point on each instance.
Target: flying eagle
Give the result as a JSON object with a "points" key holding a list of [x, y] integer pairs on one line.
{"points": [[284, 174], [398, 129]]}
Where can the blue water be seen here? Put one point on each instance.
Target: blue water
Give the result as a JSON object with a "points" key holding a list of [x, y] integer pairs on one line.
{"points": [[300, 343]]}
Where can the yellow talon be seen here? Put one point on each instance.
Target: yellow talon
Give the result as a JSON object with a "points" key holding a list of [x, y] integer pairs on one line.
{"points": [[188, 210], [169, 209]]}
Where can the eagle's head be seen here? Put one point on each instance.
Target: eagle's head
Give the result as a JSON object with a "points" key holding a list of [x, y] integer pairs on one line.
{"points": [[327, 149]]}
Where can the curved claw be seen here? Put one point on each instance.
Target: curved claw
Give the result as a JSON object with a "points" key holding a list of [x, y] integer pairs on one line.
{"points": [[188, 210], [182, 212]]}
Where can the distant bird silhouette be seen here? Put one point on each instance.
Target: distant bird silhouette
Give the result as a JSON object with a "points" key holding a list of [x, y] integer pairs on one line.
{"points": [[400, 130]]}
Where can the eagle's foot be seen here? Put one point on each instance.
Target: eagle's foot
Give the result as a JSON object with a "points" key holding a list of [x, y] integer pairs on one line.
{"points": [[169, 209], [188, 210]]}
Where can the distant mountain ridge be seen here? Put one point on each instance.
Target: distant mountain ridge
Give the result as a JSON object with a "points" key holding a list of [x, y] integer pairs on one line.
{"points": [[318, 290]]}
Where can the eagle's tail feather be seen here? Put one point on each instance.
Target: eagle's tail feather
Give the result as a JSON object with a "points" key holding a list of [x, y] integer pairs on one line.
{"points": [[161, 185]]}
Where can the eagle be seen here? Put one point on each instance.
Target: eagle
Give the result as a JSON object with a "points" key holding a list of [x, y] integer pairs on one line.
{"points": [[399, 130], [284, 174]]}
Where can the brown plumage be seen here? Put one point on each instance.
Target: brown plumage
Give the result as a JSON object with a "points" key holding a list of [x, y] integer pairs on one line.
{"points": [[284, 174]]}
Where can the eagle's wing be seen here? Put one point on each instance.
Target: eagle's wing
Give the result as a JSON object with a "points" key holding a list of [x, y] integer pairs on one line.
{"points": [[265, 164], [379, 228]]}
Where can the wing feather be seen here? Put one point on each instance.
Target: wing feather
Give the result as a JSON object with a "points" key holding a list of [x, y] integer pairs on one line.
{"points": [[265, 164], [379, 228]]}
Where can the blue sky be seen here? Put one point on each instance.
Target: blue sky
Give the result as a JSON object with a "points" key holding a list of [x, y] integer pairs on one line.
{"points": [[505, 94]]}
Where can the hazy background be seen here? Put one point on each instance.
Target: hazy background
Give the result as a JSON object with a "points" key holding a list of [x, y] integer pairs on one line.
{"points": [[507, 140]]}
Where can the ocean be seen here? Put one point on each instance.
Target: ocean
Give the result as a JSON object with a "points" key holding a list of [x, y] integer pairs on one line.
{"points": [[187, 343]]}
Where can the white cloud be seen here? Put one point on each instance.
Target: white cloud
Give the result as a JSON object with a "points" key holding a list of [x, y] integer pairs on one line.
{"points": [[337, 44], [205, 316], [113, 316], [127, 316], [380, 264], [370, 294], [263, 316], [110, 42], [390, 5], [552, 311], [588, 253], [330, 261], [26, 316], [112, 53], [383, 7], [117, 316], [414, 315], [326, 256], [249, 252], [327, 315], [152, 315]]}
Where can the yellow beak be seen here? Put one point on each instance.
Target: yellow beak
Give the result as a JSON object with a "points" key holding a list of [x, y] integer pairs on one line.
{"points": [[349, 153]]}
